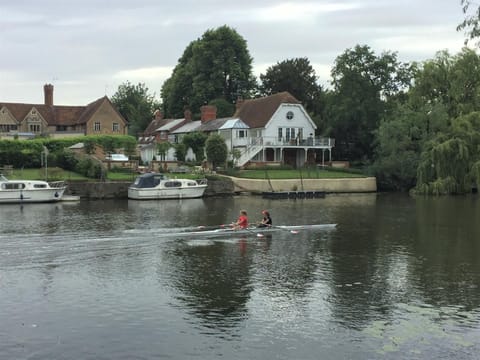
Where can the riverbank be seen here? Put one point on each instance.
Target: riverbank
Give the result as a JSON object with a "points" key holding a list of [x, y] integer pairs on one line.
{"points": [[229, 186]]}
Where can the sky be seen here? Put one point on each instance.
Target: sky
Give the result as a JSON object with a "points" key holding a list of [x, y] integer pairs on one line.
{"points": [[87, 48]]}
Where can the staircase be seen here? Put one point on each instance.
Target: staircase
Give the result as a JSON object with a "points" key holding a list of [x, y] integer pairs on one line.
{"points": [[247, 154]]}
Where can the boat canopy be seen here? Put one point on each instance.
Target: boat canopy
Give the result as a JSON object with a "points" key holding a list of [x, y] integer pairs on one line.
{"points": [[149, 180]]}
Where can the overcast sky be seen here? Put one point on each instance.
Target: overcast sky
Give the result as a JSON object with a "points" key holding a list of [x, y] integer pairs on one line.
{"points": [[87, 48]]}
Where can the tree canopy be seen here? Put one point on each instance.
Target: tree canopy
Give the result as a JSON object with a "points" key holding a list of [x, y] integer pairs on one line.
{"points": [[216, 150], [136, 105], [297, 76], [216, 66], [363, 84]]}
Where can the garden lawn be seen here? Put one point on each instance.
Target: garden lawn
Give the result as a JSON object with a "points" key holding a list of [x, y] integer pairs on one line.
{"points": [[296, 174]]}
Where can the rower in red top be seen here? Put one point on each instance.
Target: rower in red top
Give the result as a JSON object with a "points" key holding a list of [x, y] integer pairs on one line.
{"points": [[242, 222]]}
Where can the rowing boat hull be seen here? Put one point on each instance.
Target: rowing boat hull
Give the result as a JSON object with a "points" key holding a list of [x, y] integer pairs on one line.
{"points": [[240, 232]]}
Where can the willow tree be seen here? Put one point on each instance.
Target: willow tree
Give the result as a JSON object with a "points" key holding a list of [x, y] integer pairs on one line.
{"points": [[451, 162]]}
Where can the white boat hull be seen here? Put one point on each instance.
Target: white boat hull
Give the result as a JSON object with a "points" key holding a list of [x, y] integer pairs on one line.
{"points": [[29, 191], [154, 186], [177, 193]]}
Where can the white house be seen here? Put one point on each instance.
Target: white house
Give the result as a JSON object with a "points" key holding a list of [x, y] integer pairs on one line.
{"points": [[280, 131], [271, 130]]}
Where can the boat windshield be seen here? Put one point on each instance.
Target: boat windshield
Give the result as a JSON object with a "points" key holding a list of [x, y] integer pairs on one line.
{"points": [[3, 178]]}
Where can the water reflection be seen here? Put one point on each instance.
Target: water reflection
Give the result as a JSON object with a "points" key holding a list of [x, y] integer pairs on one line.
{"points": [[397, 278], [213, 280]]}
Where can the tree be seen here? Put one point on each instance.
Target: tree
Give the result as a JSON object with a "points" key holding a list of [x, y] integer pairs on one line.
{"points": [[196, 141], [451, 162], [453, 81], [296, 76], [471, 24], [162, 149], [400, 140], [136, 105], [363, 85], [216, 66], [216, 150]]}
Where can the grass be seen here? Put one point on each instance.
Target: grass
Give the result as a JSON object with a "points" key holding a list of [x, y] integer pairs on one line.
{"points": [[296, 174], [53, 174], [56, 174]]}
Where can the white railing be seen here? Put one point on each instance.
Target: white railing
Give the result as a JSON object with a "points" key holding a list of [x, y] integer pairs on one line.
{"points": [[320, 142]]}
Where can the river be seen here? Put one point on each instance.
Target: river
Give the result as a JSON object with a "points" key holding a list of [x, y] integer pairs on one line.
{"points": [[398, 278]]}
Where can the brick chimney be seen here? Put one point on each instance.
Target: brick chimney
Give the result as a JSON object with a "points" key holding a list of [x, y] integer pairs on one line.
{"points": [[158, 115], [208, 112], [239, 103], [48, 92], [188, 115]]}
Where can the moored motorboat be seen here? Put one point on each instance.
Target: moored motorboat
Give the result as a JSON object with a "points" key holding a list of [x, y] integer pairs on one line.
{"points": [[30, 191], [156, 186]]}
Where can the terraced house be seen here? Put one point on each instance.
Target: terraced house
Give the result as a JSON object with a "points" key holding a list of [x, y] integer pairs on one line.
{"points": [[24, 120]]}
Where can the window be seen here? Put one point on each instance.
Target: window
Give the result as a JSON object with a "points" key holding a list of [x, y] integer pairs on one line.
{"points": [[13, 186], [170, 184], [61, 128], [96, 126], [115, 127], [280, 133], [7, 127], [35, 128], [242, 133]]}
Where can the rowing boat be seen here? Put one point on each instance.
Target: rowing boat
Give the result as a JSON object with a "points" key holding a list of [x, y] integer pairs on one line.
{"points": [[255, 230]]}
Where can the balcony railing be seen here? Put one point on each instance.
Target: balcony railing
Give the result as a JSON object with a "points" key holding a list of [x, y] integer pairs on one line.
{"points": [[318, 142]]}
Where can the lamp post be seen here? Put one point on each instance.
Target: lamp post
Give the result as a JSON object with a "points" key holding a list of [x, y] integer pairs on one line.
{"points": [[44, 159]]}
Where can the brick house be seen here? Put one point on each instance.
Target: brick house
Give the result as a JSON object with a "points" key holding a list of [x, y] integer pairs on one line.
{"points": [[28, 120]]}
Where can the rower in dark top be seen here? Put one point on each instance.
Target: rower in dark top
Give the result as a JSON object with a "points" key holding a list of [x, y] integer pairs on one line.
{"points": [[266, 221]]}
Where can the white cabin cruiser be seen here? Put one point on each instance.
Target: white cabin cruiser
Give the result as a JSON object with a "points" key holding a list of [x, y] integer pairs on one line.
{"points": [[157, 186], [30, 191]]}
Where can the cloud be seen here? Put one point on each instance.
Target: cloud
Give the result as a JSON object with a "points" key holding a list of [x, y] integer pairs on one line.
{"points": [[91, 46]]}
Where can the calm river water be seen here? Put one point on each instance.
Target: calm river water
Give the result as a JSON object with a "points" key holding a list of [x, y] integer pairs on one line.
{"points": [[397, 279]]}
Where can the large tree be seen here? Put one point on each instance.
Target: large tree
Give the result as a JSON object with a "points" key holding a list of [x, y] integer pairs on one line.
{"points": [[136, 105], [363, 83], [432, 138], [216, 66], [297, 76]]}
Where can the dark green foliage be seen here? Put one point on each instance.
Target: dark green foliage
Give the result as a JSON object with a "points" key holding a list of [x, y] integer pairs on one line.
{"points": [[196, 141], [27, 153], [180, 151], [224, 108], [450, 162], [298, 77], [363, 84], [136, 105], [216, 150], [89, 168], [216, 66]]}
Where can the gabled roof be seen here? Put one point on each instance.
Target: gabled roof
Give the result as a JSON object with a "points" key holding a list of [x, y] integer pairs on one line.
{"points": [[170, 125], [57, 114], [257, 112], [234, 124], [212, 125]]}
